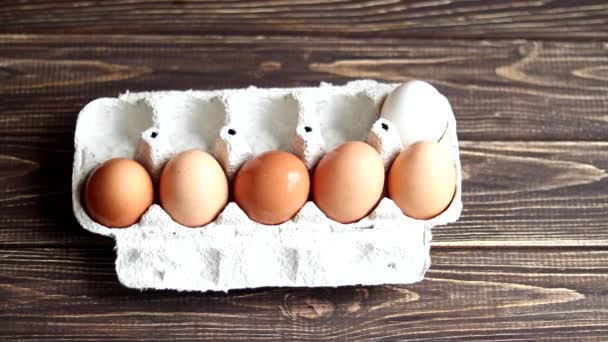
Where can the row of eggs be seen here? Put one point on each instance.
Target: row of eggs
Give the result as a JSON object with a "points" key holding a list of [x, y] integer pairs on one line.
{"points": [[271, 188]]}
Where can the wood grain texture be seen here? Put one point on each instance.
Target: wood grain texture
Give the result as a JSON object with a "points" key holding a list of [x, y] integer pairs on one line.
{"points": [[370, 18], [528, 80], [500, 90], [510, 294], [531, 193]]}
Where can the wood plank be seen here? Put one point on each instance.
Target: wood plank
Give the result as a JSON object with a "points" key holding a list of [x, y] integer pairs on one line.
{"points": [[529, 194], [509, 294], [560, 19], [500, 90], [515, 194]]}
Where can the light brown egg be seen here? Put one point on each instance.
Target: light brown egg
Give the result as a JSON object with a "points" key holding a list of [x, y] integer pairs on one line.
{"points": [[118, 192], [272, 187], [193, 188], [422, 180], [348, 182]]}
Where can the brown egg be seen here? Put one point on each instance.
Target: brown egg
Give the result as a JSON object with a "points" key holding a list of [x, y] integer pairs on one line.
{"points": [[118, 192], [348, 182], [422, 180], [193, 188], [272, 187]]}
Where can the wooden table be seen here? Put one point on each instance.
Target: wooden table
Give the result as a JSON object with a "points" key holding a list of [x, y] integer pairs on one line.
{"points": [[529, 84]]}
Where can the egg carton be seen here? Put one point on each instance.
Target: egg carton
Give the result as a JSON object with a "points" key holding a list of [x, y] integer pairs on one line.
{"points": [[233, 252]]}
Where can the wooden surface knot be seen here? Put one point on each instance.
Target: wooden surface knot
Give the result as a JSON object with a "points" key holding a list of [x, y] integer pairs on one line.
{"points": [[302, 306]]}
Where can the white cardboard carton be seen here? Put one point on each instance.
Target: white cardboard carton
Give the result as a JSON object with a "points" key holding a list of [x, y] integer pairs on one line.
{"points": [[234, 252]]}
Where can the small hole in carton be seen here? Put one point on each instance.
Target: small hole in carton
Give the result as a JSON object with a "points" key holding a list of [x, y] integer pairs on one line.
{"points": [[392, 265], [231, 131], [308, 129], [384, 126], [154, 135]]}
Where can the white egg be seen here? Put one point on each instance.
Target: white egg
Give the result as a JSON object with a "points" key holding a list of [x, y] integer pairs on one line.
{"points": [[418, 110]]}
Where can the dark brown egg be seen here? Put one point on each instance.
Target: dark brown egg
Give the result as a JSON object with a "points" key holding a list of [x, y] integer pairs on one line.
{"points": [[272, 187]]}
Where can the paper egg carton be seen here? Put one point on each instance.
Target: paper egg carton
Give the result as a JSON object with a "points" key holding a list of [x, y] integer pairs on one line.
{"points": [[233, 252]]}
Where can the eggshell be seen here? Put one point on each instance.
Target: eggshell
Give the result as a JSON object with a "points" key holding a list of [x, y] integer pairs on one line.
{"points": [[348, 182], [193, 188], [118, 192], [272, 187], [418, 110], [422, 180]]}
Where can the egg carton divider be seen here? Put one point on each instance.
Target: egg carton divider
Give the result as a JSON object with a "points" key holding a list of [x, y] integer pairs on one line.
{"points": [[233, 252]]}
